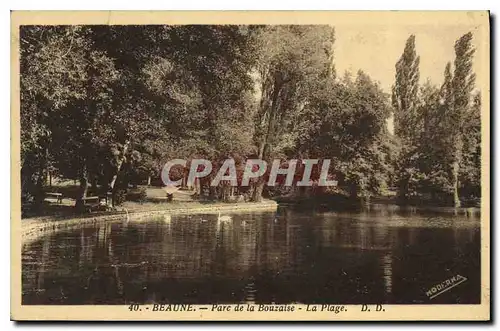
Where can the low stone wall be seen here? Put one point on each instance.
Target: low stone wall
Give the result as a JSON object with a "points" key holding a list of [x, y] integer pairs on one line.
{"points": [[35, 228]]}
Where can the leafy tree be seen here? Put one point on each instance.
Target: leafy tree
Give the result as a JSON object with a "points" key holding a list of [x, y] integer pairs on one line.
{"points": [[60, 69], [404, 102], [109, 105], [431, 168], [292, 59], [346, 122], [470, 172], [460, 108], [446, 144]]}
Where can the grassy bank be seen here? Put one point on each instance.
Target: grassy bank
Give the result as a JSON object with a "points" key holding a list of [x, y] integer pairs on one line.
{"points": [[142, 198], [36, 227]]}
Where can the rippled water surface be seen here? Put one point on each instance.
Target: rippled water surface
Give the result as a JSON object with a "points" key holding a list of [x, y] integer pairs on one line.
{"points": [[383, 255]]}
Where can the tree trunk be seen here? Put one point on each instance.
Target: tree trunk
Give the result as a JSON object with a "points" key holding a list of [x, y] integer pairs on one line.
{"points": [[197, 186], [259, 186], [403, 188], [149, 180], [257, 193], [455, 168], [39, 195], [41, 182], [353, 192], [93, 182], [456, 197], [118, 168], [205, 191], [267, 142], [82, 194], [212, 192]]}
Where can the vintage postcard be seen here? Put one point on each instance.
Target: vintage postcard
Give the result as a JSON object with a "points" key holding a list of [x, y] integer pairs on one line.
{"points": [[250, 166]]}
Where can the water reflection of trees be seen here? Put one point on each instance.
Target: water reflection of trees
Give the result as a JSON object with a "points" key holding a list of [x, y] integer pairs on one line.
{"points": [[265, 253]]}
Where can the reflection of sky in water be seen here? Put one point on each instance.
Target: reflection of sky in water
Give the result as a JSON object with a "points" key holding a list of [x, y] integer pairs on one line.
{"points": [[377, 256], [386, 264]]}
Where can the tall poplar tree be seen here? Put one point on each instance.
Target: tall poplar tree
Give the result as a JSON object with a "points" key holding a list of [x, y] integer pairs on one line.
{"points": [[462, 85], [405, 88], [405, 103]]}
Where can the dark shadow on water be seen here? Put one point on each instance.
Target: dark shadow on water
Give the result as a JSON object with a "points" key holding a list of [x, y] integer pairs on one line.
{"points": [[382, 255]]}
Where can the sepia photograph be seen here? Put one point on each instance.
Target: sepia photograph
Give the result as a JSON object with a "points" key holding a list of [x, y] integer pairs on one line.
{"points": [[329, 165]]}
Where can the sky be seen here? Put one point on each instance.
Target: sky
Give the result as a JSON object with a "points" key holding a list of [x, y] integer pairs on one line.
{"points": [[375, 49]]}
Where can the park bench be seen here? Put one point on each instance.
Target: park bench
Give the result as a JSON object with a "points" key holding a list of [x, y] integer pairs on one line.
{"points": [[90, 203], [87, 199], [58, 196], [96, 202]]}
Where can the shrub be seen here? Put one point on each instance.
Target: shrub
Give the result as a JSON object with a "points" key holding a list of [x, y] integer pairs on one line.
{"points": [[119, 197], [139, 195]]}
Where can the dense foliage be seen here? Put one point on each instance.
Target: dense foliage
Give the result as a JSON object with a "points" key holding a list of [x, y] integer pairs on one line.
{"points": [[107, 106], [439, 129]]}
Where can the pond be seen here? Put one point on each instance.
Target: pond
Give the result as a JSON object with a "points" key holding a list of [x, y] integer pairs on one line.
{"points": [[382, 255]]}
